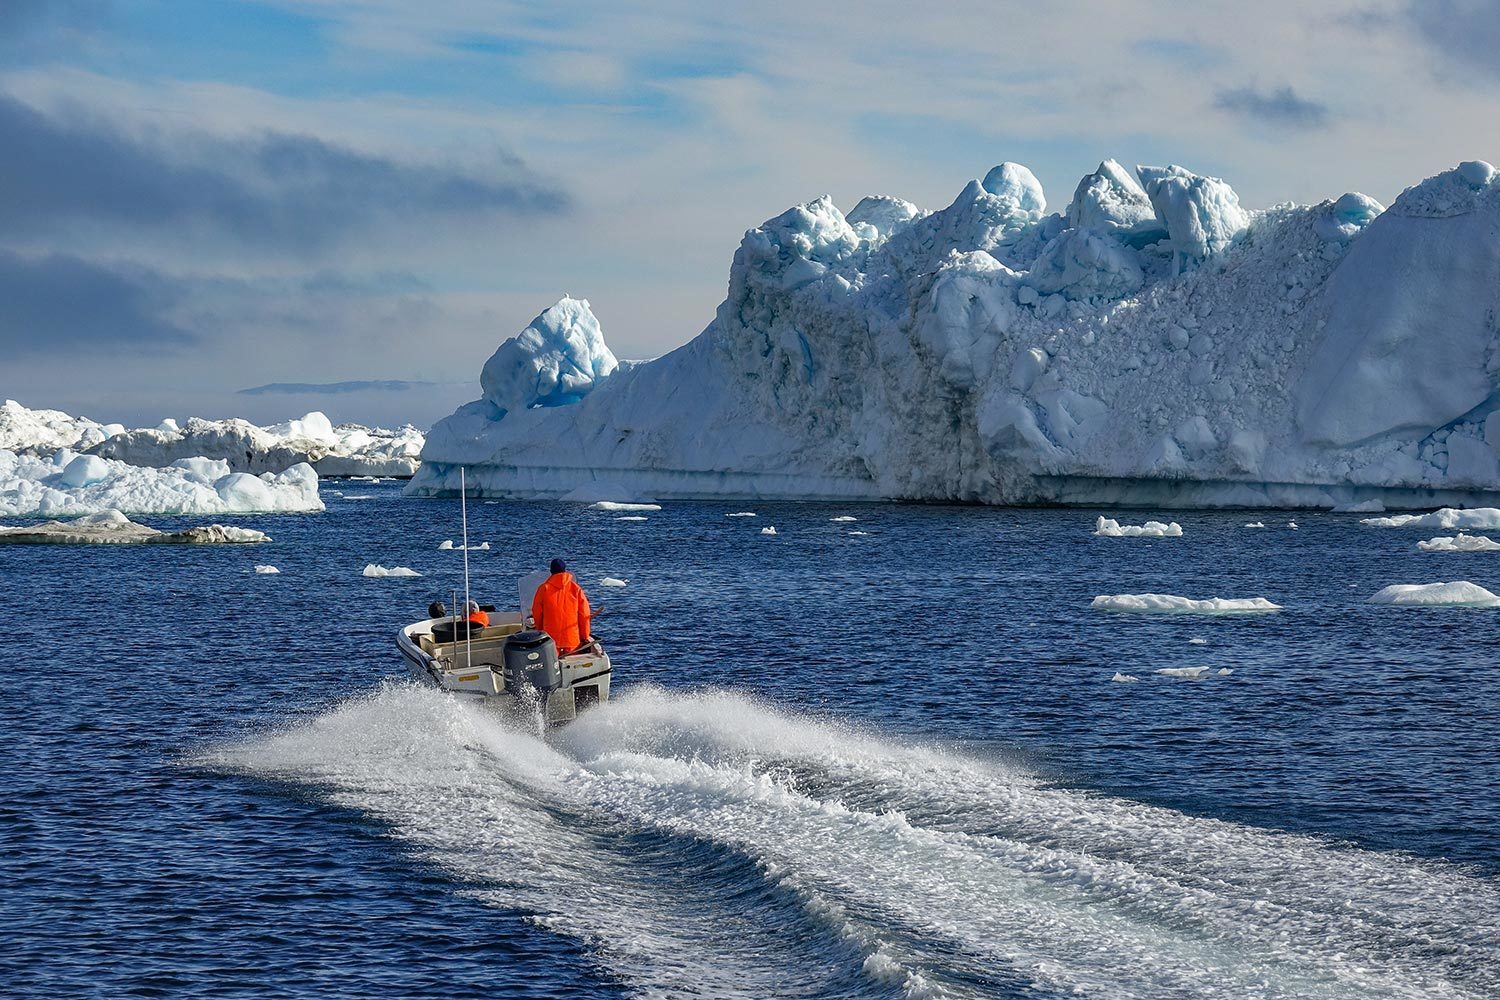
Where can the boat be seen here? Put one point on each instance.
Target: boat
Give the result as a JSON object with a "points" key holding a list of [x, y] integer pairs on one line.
{"points": [[506, 659]]}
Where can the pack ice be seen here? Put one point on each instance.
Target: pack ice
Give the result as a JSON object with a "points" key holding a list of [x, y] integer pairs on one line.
{"points": [[342, 450], [1155, 343], [68, 484]]}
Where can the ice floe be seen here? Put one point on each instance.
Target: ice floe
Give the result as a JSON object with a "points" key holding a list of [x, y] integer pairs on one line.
{"points": [[1478, 518], [743, 513], [1197, 641], [633, 517], [613, 505], [111, 527], [446, 545], [1459, 543], [768, 531], [612, 581], [1191, 673], [371, 569], [1120, 678], [1256, 524], [1171, 604], [68, 484], [265, 569], [1107, 527], [859, 532], [844, 519], [1458, 594]]}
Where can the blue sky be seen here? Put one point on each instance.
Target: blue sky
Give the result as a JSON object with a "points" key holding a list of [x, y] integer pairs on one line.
{"points": [[207, 195]]}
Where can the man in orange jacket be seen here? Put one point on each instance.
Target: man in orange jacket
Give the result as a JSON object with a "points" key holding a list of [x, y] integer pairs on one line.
{"points": [[561, 609]]}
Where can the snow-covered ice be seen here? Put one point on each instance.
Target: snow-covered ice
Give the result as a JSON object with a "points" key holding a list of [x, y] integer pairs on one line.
{"points": [[265, 569], [371, 569], [768, 531], [1256, 524], [1154, 343], [67, 484], [859, 532], [446, 545], [1197, 641], [1459, 594], [612, 581], [743, 513], [42, 432], [1109, 528], [1459, 543], [1224, 671], [612, 505], [1476, 519], [633, 517], [1292, 525], [112, 527], [1171, 604], [1191, 673], [1120, 678], [843, 519]]}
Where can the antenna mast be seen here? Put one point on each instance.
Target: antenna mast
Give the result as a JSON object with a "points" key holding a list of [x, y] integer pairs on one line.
{"points": [[463, 506]]}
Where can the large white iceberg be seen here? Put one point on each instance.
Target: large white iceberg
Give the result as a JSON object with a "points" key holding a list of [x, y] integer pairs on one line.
{"points": [[1157, 344], [67, 484], [1458, 594]]}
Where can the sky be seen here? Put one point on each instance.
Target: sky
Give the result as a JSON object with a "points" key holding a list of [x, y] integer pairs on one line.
{"points": [[359, 200]]}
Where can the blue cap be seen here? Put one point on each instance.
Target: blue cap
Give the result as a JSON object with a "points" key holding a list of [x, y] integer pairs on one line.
{"points": [[558, 566]]}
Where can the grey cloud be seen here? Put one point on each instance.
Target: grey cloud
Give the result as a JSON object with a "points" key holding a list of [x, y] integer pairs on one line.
{"points": [[1464, 30], [335, 388], [279, 191], [60, 303], [1276, 107]]}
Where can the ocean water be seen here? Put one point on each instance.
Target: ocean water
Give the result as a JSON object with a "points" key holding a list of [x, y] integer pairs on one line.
{"points": [[882, 765]]}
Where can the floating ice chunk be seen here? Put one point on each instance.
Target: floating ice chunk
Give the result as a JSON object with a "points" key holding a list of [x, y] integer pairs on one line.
{"points": [[859, 532], [632, 517], [1459, 594], [1109, 528], [1224, 671], [1459, 543], [743, 513], [843, 519], [612, 581], [1197, 641], [768, 531], [1363, 507], [111, 527], [359, 496], [1191, 673], [1256, 524], [612, 505], [1171, 604], [371, 569], [1120, 678], [1479, 518], [446, 545], [556, 360], [1292, 525], [266, 570]]}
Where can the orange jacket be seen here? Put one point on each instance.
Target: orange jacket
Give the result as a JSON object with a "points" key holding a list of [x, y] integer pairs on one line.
{"points": [[561, 609], [480, 618]]}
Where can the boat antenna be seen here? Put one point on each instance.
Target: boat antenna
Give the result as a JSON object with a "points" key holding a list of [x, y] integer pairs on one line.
{"points": [[463, 506]]}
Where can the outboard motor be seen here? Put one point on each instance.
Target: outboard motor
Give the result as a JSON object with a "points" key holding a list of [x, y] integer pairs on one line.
{"points": [[531, 659]]}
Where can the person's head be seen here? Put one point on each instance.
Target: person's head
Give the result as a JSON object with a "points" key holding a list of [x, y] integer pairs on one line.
{"points": [[471, 607], [558, 566]]}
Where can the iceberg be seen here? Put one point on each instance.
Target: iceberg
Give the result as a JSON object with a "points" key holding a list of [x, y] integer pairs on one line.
{"points": [[112, 527], [342, 450], [1459, 594], [1190, 673], [1459, 543], [264, 569], [1480, 519], [1156, 344], [375, 570], [612, 581], [68, 484], [1172, 604], [1109, 528]]}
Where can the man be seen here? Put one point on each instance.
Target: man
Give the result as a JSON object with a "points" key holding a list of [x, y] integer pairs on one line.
{"points": [[478, 618], [561, 609]]}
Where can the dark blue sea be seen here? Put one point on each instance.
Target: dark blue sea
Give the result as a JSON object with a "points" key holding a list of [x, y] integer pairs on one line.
{"points": [[891, 764]]}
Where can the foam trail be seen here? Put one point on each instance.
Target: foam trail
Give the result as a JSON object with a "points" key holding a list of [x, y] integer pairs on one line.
{"points": [[710, 844]]}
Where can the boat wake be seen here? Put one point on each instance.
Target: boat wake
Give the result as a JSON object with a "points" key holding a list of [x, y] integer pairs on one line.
{"points": [[708, 844]]}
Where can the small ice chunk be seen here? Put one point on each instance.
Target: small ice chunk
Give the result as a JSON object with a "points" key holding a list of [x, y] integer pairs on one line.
{"points": [[1191, 673], [843, 520], [1448, 518], [1109, 528], [612, 581], [1172, 604], [632, 517], [1120, 678], [743, 513], [1197, 641], [266, 570], [859, 532], [371, 569], [1292, 525], [1458, 594], [1256, 524], [1224, 671], [768, 531], [612, 505], [446, 545], [1459, 543]]}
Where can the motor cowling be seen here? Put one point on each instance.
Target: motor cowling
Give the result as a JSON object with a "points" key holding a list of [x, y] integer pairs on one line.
{"points": [[531, 659]]}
